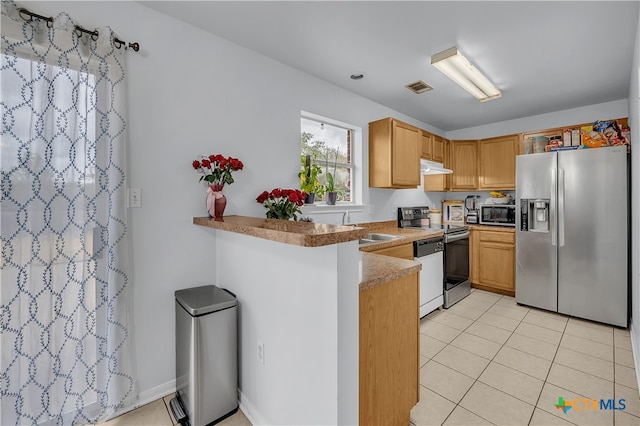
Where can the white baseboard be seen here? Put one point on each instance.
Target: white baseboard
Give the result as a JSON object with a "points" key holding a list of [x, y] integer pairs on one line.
{"points": [[249, 411], [148, 396], [169, 387], [157, 392]]}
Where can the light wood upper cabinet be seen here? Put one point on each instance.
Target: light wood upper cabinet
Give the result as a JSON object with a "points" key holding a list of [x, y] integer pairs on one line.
{"points": [[446, 155], [439, 183], [464, 162], [394, 154], [477, 165], [435, 183], [497, 162], [426, 140], [438, 149], [492, 260]]}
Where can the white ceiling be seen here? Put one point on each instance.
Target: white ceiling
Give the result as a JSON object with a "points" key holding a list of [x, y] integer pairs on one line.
{"points": [[544, 56]]}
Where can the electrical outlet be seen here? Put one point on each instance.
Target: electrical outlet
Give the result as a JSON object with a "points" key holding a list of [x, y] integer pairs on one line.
{"points": [[135, 195], [370, 209], [260, 352]]}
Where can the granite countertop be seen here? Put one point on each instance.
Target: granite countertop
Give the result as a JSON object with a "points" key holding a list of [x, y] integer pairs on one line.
{"points": [[303, 234], [376, 269], [379, 269], [407, 235]]}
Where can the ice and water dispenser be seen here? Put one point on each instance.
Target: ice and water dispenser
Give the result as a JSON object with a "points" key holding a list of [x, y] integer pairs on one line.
{"points": [[534, 215]]}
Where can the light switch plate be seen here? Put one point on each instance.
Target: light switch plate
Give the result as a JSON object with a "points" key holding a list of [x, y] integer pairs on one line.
{"points": [[134, 197]]}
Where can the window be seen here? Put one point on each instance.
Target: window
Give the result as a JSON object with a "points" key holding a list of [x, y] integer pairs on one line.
{"points": [[333, 147]]}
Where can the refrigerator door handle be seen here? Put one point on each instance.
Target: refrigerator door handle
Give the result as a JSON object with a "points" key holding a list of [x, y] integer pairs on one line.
{"points": [[560, 207], [552, 208]]}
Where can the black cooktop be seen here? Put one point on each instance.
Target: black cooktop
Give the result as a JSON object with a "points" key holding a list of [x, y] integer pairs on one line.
{"points": [[447, 227]]}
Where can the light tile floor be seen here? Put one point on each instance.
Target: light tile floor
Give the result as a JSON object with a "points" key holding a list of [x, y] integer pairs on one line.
{"points": [[158, 413], [487, 360]]}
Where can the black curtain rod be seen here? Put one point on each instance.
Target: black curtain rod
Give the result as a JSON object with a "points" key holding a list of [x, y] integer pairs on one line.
{"points": [[79, 30]]}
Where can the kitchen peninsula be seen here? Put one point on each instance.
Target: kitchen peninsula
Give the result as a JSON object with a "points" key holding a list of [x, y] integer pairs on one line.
{"points": [[298, 287]]}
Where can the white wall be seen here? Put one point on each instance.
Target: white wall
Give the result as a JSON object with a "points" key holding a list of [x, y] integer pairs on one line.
{"points": [[301, 303], [634, 123], [193, 93], [587, 114]]}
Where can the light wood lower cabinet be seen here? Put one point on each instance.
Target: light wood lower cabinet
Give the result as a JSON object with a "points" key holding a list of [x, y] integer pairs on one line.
{"points": [[389, 352], [492, 261]]}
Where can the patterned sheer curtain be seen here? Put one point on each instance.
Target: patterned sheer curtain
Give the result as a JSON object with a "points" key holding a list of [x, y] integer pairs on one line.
{"points": [[64, 286]]}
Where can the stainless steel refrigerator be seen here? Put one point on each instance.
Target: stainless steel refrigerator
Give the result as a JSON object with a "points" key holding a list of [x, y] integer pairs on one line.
{"points": [[572, 233]]}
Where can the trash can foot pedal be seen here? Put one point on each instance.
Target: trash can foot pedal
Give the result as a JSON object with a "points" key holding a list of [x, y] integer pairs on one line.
{"points": [[178, 412]]}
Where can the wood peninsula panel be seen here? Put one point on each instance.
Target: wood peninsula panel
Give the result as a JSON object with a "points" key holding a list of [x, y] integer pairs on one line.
{"points": [[389, 352]]}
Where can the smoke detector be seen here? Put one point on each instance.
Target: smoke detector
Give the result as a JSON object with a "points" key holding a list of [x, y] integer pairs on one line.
{"points": [[418, 87]]}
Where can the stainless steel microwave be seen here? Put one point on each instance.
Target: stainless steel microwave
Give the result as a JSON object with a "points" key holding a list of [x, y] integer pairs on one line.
{"points": [[498, 214]]}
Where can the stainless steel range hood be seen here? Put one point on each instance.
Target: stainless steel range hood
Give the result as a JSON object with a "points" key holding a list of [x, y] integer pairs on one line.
{"points": [[432, 168]]}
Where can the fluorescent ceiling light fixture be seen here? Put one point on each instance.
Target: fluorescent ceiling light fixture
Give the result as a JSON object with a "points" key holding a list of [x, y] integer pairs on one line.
{"points": [[459, 69]]}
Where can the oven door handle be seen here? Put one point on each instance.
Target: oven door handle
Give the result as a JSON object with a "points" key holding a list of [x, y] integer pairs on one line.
{"points": [[455, 237]]}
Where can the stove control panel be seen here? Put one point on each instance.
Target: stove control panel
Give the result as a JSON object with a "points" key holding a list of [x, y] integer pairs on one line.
{"points": [[411, 216]]}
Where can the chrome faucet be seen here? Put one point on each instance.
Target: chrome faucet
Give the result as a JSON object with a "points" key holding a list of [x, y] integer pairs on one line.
{"points": [[345, 215]]}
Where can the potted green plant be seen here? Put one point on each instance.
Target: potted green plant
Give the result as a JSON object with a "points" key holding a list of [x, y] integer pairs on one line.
{"points": [[332, 194], [309, 182]]}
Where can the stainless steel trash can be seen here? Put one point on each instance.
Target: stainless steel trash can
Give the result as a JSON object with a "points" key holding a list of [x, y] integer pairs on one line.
{"points": [[206, 354]]}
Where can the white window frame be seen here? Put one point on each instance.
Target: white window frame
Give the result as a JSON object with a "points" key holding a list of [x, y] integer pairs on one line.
{"points": [[356, 167]]}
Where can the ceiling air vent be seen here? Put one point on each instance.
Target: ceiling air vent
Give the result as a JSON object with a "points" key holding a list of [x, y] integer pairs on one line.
{"points": [[419, 87]]}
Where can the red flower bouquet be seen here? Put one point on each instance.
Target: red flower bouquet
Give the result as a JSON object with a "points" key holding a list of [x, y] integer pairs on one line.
{"points": [[216, 169], [282, 203]]}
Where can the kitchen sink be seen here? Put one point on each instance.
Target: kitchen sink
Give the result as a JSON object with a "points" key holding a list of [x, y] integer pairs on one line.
{"points": [[381, 237], [375, 237]]}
